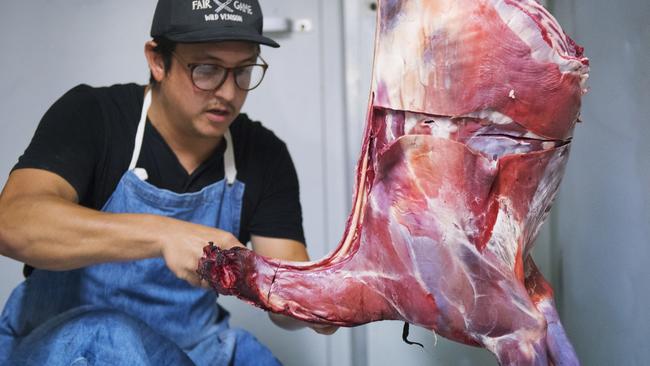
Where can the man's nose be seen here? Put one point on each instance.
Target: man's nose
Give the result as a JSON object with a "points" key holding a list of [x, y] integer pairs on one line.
{"points": [[229, 89]]}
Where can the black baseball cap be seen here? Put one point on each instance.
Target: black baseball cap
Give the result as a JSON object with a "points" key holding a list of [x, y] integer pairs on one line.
{"points": [[191, 21]]}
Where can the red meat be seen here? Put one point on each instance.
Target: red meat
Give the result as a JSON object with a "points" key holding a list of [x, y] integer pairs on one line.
{"points": [[469, 127]]}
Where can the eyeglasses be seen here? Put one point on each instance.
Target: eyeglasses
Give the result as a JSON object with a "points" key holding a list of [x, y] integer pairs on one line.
{"points": [[210, 77]]}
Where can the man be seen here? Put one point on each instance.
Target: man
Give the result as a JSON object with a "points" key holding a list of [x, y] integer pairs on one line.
{"points": [[122, 187]]}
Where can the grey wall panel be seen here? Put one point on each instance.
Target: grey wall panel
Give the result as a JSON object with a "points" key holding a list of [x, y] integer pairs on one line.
{"points": [[603, 212]]}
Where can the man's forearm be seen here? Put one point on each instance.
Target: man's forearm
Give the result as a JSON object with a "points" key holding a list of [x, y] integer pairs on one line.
{"points": [[49, 232]]}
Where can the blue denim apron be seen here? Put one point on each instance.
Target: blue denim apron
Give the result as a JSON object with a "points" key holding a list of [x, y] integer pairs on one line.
{"points": [[138, 312]]}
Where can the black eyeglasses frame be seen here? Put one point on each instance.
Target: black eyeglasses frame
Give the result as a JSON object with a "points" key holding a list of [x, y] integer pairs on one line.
{"points": [[193, 66]]}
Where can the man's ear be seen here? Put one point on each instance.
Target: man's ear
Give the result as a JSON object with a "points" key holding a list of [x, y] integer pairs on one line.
{"points": [[155, 61]]}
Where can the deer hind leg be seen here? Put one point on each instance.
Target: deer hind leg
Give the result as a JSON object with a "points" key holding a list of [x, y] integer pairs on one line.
{"points": [[489, 305], [511, 350], [517, 335], [560, 350]]}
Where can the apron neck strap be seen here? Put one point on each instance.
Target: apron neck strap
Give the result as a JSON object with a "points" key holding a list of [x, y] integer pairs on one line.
{"points": [[229, 159], [228, 156], [139, 135]]}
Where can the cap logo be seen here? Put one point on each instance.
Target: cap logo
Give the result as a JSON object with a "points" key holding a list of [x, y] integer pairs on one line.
{"points": [[243, 7], [223, 5], [201, 5], [223, 9]]}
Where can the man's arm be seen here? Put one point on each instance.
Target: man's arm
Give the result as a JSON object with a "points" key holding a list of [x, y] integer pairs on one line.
{"points": [[41, 224], [293, 251], [286, 249]]}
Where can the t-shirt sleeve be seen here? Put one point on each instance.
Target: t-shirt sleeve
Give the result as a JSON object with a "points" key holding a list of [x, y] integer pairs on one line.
{"points": [[67, 140], [279, 214]]}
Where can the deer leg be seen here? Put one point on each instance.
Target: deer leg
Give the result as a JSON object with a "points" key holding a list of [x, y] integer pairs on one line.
{"points": [[560, 350]]}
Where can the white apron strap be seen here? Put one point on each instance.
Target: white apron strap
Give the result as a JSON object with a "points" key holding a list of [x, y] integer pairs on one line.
{"points": [[229, 159], [139, 136]]}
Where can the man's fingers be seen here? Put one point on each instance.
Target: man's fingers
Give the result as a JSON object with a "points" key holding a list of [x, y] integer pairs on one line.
{"points": [[224, 245], [200, 283], [228, 241], [328, 331], [325, 329], [195, 280], [232, 244], [205, 284]]}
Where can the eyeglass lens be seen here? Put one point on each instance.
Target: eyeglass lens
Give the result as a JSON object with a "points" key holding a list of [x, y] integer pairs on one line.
{"points": [[210, 77]]}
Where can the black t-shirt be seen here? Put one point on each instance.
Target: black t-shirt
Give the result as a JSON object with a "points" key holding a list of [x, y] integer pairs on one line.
{"points": [[87, 137]]}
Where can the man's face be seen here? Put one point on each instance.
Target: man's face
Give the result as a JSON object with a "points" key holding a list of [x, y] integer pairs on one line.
{"points": [[198, 113]]}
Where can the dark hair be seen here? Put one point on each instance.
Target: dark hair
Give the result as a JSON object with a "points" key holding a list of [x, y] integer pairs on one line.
{"points": [[164, 47]]}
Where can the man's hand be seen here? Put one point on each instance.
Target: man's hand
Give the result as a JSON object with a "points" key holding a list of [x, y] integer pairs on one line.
{"points": [[182, 247], [323, 328], [288, 323]]}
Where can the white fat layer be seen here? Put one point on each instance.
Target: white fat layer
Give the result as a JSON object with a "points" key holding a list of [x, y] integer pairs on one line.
{"points": [[343, 250], [445, 127], [529, 32], [370, 274], [490, 115], [548, 145], [495, 147], [390, 122], [391, 62], [505, 234], [440, 126], [411, 121], [545, 195], [524, 339], [531, 135]]}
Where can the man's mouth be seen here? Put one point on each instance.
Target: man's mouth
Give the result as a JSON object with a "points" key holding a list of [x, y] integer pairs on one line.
{"points": [[218, 114]]}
